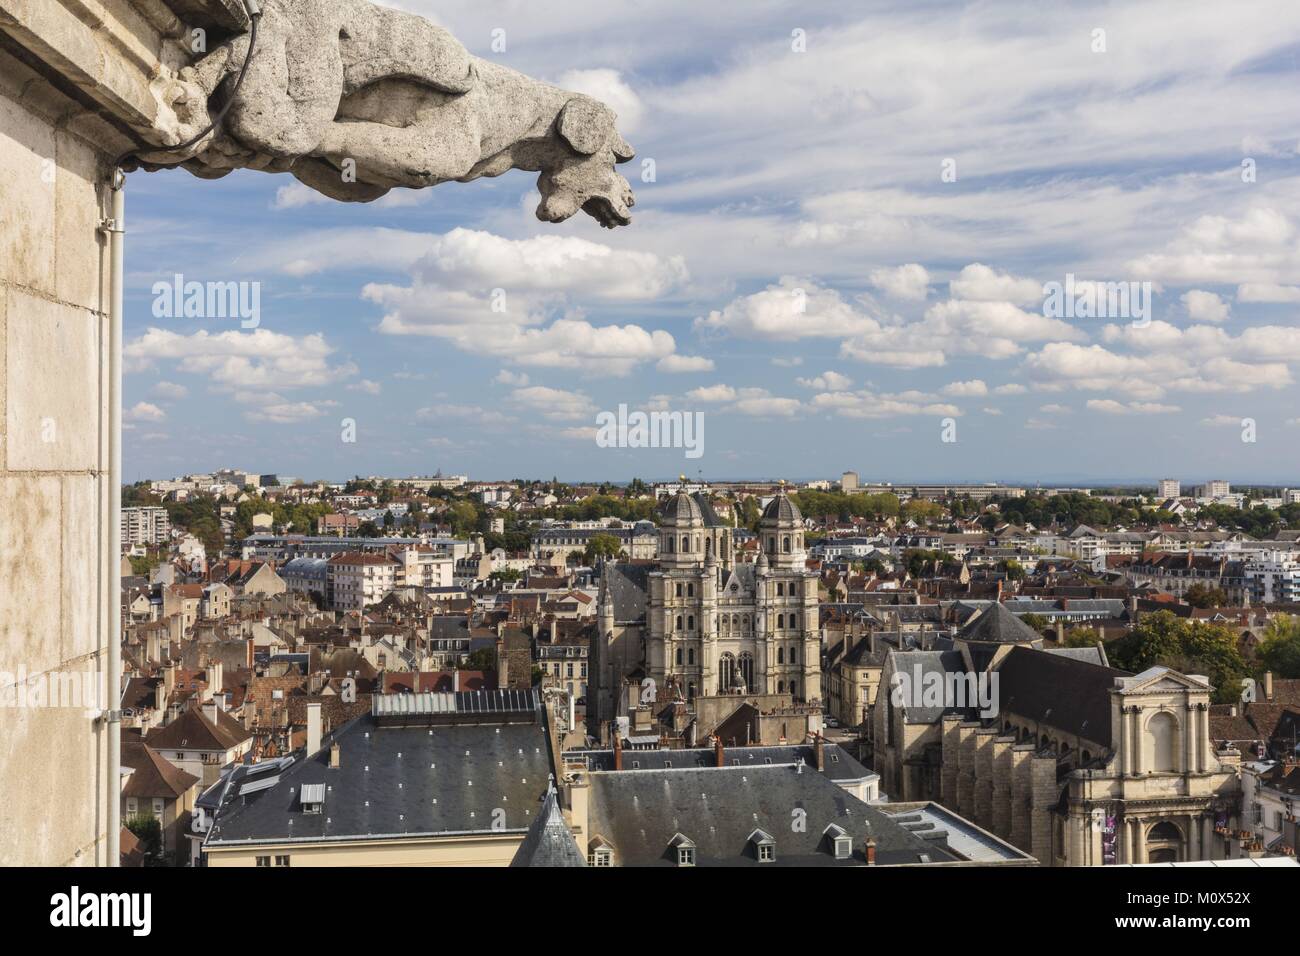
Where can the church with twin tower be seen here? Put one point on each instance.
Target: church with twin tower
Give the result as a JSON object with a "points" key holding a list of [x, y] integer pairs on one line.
{"points": [[715, 625]]}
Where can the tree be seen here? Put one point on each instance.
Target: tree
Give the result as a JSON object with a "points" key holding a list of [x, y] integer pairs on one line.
{"points": [[1015, 570], [1186, 646], [148, 831], [1280, 650], [919, 561], [1081, 637], [600, 546], [1036, 621], [1202, 595]]}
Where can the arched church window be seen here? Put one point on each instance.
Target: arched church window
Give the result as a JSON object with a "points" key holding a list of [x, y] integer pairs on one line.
{"points": [[1163, 731]]}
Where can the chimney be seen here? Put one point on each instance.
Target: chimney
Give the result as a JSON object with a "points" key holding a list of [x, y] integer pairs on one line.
{"points": [[503, 665], [719, 753], [819, 752], [870, 850], [618, 749], [313, 728], [210, 711], [169, 681], [1268, 685], [455, 680], [215, 678], [553, 635], [334, 755]]}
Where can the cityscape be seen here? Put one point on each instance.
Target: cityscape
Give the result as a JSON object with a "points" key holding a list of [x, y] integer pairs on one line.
{"points": [[472, 436], [992, 674]]}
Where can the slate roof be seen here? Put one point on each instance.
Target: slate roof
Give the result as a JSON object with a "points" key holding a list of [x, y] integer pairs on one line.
{"points": [[549, 841], [640, 813], [783, 511], [997, 625], [930, 662], [839, 764], [445, 779], [627, 587], [711, 519], [680, 509], [1059, 691]]}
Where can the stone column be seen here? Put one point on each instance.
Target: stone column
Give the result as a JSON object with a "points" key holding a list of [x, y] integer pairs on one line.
{"points": [[1141, 838], [1135, 724]]}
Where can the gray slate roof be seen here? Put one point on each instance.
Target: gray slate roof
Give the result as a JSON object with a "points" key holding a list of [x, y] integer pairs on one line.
{"points": [[549, 841], [627, 587], [997, 625], [399, 780], [839, 764], [640, 813], [1059, 691]]}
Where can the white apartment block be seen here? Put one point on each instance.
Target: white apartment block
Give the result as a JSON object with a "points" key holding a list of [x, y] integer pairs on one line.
{"points": [[358, 580], [1273, 577], [1169, 488], [1215, 488], [426, 567], [148, 525]]}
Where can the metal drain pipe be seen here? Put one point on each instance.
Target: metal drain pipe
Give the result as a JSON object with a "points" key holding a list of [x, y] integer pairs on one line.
{"points": [[115, 227]]}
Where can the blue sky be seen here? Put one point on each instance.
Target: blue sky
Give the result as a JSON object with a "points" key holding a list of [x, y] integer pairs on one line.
{"points": [[800, 270]]}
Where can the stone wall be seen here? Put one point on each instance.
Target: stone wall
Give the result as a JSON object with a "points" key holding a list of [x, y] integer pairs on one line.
{"points": [[53, 488]]}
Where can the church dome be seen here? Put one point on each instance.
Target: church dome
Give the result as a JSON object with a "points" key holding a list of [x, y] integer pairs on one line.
{"points": [[783, 512], [680, 511]]}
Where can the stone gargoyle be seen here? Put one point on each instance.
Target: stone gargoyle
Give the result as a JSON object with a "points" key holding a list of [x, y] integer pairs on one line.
{"points": [[354, 99]]}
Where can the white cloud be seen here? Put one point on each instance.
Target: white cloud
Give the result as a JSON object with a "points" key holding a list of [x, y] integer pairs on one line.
{"points": [[972, 389], [234, 360], [1221, 421], [1268, 292], [554, 403], [145, 412], [679, 364], [1109, 406], [491, 295], [367, 386], [909, 282], [978, 281], [1054, 409], [1205, 306], [610, 88], [169, 390], [791, 309], [712, 393], [507, 377], [287, 413], [1011, 388], [828, 381]]}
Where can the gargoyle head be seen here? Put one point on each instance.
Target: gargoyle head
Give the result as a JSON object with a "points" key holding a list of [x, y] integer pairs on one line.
{"points": [[584, 177]]}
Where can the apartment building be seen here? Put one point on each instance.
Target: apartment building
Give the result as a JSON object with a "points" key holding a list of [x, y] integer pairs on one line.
{"points": [[1273, 577], [356, 579], [146, 525]]}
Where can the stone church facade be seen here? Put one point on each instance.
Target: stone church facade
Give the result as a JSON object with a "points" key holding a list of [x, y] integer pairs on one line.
{"points": [[1083, 765], [710, 625]]}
